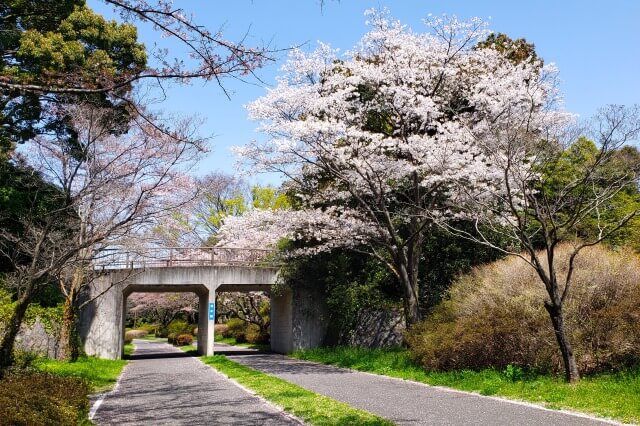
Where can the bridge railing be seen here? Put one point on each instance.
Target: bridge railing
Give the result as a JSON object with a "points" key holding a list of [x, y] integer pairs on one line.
{"points": [[170, 257]]}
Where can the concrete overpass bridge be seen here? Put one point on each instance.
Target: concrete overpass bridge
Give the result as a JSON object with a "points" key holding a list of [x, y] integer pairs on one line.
{"points": [[203, 271]]}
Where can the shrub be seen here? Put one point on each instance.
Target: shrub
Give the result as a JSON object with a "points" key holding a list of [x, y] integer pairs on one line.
{"points": [[171, 338], [237, 329], [494, 317], [178, 326], [221, 329], [42, 399], [195, 331], [134, 334], [255, 335], [162, 332], [183, 339], [149, 328], [24, 359]]}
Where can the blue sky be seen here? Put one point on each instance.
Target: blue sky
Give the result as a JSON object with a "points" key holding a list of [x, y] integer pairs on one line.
{"points": [[595, 44]]}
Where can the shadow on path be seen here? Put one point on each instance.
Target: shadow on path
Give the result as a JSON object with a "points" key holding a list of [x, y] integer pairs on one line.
{"points": [[165, 386]]}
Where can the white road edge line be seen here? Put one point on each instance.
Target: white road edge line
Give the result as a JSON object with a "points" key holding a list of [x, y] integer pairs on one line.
{"points": [[267, 402], [102, 396], [496, 398]]}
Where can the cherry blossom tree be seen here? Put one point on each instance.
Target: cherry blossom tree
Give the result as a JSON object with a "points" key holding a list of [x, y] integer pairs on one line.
{"points": [[113, 188], [162, 308], [382, 142], [252, 307], [196, 224]]}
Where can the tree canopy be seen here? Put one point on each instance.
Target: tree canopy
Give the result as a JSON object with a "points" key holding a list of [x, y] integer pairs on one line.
{"points": [[383, 142], [50, 44]]}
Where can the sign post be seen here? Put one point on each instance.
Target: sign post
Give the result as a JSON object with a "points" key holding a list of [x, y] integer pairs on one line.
{"points": [[212, 324], [212, 311]]}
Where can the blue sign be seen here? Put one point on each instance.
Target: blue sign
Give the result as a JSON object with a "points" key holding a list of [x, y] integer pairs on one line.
{"points": [[212, 311]]}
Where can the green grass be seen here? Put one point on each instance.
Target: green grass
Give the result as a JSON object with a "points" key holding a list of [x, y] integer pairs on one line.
{"points": [[101, 374], [128, 349], [151, 337], [190, 349], [311, 407], [233, 342], [613, 395]]}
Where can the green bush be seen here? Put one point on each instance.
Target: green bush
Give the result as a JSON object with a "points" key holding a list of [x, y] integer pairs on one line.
{"points": [[221, 330], [178, 326], [149, 328], [237, 329], [43, 399], [495, 318], [24, 359], [171, 338], [183, 339], [162, 332], [253, 334]]}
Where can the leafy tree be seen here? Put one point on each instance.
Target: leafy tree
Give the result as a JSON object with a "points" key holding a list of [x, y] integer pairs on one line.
{"points": [[49, 44], [268, 197], [517, 51], [561, 190], [31, 211], [59, 51]]}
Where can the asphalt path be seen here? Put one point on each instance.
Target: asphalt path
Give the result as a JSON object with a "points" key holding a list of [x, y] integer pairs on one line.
{"points": [[404, 402], [165, 386]]}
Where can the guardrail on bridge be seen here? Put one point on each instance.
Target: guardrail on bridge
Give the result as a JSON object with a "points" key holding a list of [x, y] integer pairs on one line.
{"points": [[169, 257]]}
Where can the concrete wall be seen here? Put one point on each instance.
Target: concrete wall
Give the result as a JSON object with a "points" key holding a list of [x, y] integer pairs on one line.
{"points": [[299, 320], [310, 319], [377, 329], [281, 322], [37, 339], [102, 320]]}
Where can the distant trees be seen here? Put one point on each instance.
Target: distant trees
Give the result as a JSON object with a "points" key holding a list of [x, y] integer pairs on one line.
{"points": [[252, 308], [221, 198], [161, 308]]}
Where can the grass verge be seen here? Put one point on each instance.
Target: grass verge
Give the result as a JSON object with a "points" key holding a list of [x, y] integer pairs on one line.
{"points": [[311, 407], [129, 349], [613, 395], [190, 349], [233, 342], [100, 374]]}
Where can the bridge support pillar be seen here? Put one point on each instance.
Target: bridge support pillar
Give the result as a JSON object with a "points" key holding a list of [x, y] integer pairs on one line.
{"points": [[206, 322], [282, 322]]}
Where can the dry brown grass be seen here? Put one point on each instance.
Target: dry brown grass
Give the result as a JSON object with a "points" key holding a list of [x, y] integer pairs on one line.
{"points": [[495, 316], [134, 334]]}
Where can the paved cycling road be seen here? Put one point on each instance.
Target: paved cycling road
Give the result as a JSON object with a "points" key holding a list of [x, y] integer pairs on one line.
{"points": [[162, 385], [403, 402]]}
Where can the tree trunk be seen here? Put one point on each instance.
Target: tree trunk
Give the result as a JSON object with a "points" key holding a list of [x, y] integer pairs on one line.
{"points": [[69, 336], [11, 332], [410, 299], [557, 319]]}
